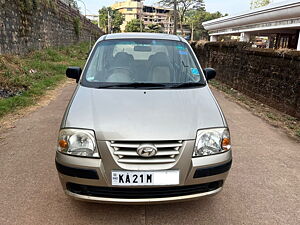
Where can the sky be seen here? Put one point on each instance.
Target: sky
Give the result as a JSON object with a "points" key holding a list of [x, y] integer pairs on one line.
{"points": [[225, 6]]}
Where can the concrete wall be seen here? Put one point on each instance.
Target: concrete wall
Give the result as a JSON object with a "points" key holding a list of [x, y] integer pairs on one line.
{"points": [[272, 77], [33, 24]]}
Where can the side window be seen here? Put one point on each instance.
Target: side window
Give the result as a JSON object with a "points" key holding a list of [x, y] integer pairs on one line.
{"points": [[96, 66]]}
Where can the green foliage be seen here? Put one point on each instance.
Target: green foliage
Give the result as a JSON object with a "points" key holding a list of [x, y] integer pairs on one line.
{"points": [[28, 6], [154, 28], [94, 22], [298, 132], [195, 18], [259, 3], [77, 26], [134, 26], [116, 19], [183, 6], [74, 4], [49, 66]]}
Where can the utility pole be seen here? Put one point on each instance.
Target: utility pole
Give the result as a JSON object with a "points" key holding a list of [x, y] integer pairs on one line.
{"points": [[140, 15], [192, 35], [108, 22], [169, 24], [175, 17]]}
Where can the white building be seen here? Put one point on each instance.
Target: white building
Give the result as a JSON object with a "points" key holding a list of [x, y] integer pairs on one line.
{"points": [[278, 21]]}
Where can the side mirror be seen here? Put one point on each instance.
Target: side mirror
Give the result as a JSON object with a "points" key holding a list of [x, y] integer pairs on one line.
{"points": [[74, 73], [209, 73]]}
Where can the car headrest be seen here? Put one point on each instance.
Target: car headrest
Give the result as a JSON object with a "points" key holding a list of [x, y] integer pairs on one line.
{"points": [[160, 59], [123, 59]]}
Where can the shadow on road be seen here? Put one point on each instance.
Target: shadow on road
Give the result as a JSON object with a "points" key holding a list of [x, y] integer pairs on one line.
{"points": [[172, 213]]}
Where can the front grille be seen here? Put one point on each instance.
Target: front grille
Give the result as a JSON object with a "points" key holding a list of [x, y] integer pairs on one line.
{"points": [[139, 193], [126, 152]]}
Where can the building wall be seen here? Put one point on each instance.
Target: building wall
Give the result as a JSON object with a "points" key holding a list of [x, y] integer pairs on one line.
{"points": [[122, 7], [39, 24], [136, 11], [158, 15], [268, 76]]}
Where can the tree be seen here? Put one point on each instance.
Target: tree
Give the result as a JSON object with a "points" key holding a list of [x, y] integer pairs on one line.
{"points": [[110, 20], [174, 5], [74, 4], [195, 18], [183, 6], [259, 3], [134, 26], [154, 28]]}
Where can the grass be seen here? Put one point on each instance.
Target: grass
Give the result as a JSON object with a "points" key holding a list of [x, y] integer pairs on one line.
{"points": [[278, 119], [298, 132], [30, 76], [271, 116]]}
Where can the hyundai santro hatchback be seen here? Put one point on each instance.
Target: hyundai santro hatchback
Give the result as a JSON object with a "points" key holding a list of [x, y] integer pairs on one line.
{"points": [[142, 125]]}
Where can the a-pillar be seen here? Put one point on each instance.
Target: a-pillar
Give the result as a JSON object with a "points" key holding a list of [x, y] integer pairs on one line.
{"points": [[245, 37], [298, 47], [213, 38]]}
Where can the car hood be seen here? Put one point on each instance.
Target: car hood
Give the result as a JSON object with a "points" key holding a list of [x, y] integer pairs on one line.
{"points": [[148, 115]]}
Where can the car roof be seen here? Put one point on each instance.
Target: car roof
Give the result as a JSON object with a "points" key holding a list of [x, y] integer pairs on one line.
{"points": [[154, 36]]}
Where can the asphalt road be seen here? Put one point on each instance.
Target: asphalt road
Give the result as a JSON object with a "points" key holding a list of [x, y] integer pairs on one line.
{"points": [[262, 188]]}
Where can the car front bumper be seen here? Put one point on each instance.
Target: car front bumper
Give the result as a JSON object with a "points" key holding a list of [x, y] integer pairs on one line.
{"points": [[89, 180], [136, 201]]}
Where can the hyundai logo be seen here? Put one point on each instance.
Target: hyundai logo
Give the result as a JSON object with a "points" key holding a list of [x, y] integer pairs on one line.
{"points": [[147, 150]]}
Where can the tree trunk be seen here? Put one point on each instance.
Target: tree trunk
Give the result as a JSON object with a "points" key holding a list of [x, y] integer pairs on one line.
{"points": [[192, 35], [181, 26], [175, 17]]}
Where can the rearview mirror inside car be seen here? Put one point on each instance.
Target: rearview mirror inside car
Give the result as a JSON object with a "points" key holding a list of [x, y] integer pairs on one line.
{"points": [[142, 48]]}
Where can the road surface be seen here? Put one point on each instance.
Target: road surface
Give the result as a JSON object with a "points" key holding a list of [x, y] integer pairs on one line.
{"points": [[262, 188]]}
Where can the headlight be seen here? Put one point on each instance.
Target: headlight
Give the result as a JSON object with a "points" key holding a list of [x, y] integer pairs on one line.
{"points": [[212, 141], [77, 142]]}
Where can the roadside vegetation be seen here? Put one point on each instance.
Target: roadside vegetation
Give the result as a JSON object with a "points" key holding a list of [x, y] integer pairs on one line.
{"points": [[23, 80], [278, 119], [111, 23]]}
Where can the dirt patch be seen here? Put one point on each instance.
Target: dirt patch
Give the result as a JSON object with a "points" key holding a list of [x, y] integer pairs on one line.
{"points": [[8, 121]]}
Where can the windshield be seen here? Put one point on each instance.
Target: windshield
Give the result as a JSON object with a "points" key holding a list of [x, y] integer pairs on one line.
{"points": [[142, 63]]}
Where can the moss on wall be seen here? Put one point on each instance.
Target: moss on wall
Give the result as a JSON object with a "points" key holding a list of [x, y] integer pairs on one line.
{"points": [[34, 24]]}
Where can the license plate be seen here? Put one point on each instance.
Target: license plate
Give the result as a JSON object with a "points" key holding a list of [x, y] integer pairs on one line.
{"points": [[150, 178]]}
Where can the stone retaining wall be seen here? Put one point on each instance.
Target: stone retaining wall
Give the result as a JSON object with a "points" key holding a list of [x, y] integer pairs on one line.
{"points": [[272, 77], [27, 25]]}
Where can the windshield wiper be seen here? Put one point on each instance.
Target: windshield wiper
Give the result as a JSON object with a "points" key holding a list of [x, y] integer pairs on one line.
{"points": [[133, 85], [187, 85]]}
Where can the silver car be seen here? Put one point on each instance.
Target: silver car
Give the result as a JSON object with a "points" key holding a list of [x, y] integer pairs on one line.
{"points": [[142, 125]]}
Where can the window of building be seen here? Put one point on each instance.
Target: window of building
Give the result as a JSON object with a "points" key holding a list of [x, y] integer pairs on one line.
{"points": [[129, 9]]}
